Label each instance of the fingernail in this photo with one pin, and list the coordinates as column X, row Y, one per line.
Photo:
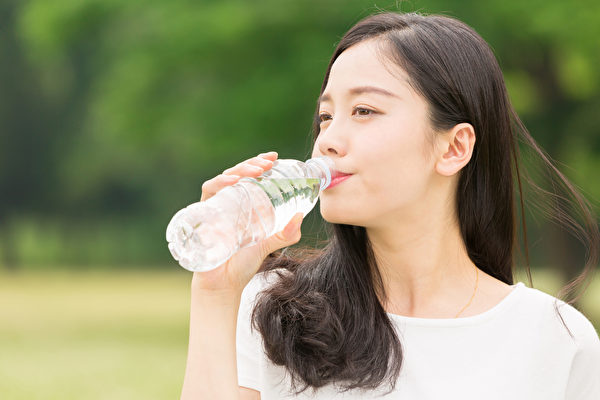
column 232, row 177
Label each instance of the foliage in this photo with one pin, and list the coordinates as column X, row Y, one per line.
column 113, row 113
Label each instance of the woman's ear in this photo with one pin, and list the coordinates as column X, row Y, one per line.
column 456, row 149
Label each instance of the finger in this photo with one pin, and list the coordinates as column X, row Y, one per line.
column 212, row 186
column 293, row 227
column 260, row 162
column 245, row 169
column 290, row 235
column 252, row 167
column 271, row 155
column 263, row 160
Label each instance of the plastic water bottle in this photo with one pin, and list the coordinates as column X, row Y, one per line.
column 204, row 235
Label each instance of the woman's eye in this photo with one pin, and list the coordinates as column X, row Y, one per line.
column 324, row 117
column 360, row 111
column 363, row 111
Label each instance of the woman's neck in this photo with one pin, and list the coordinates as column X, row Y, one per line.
column 425, row 268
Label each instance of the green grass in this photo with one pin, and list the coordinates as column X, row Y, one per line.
column 93, row 335
column 114, row 335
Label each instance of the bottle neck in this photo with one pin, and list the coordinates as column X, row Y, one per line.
column 321, row 168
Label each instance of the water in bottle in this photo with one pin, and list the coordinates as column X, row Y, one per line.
column 205, row 234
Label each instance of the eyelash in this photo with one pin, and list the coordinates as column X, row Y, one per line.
column 355, row 110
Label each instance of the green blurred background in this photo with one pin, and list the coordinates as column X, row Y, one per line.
column 113, row 113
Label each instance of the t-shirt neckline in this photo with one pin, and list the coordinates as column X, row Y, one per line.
column 471, row 320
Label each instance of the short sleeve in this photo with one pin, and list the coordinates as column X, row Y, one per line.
column 249, row 348
column 584, row 376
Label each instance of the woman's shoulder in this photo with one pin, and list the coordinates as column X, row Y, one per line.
column 543, row 308
column 579, row 344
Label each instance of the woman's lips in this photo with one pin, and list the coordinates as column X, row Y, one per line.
column 337, row 180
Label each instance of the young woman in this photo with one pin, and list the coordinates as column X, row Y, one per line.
column 413, row 296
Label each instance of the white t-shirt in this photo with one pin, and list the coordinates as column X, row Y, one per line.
column 519, row 349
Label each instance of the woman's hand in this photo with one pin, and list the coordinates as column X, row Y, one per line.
column 234, row 274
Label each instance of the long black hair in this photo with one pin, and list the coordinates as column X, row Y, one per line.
column 323, row 319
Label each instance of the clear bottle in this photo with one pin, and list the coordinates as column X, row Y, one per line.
column 204, row 235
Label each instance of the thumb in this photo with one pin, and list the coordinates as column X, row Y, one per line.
column 292, row 231
column 288, row 236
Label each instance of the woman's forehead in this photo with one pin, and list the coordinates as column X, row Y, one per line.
column 364, row 65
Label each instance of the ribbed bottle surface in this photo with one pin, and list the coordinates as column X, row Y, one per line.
column 205, row 234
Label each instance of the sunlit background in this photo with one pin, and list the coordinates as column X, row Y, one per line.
column 113, row 113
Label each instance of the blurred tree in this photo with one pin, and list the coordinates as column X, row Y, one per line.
column 25, row 142
column 125, row 108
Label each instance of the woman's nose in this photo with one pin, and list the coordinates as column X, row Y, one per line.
column 332, row 141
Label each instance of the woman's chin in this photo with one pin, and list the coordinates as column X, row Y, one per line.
column 336, row 217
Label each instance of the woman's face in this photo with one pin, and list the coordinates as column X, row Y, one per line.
column 374, row 126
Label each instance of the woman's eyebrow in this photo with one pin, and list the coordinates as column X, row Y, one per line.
column 360, row 90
